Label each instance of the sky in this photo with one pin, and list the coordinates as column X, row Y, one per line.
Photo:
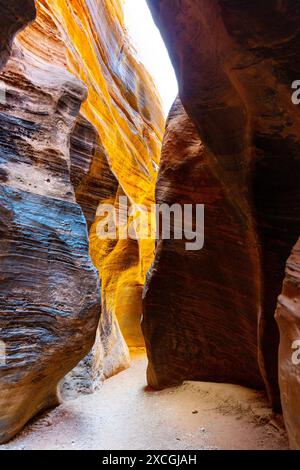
column 151, row 49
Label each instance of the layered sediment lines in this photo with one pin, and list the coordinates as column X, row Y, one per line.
column 288, row 319
column 50, row 302
column 60, row 160
column 196, row 322
column 235, row 63
column 124, row 109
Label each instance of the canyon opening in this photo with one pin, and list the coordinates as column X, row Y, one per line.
column 149, row 223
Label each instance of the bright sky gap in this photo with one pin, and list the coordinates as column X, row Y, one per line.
column 151, row 49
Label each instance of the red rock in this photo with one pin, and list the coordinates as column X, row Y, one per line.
column 201, row 307
column 81, row 123
column 235, row 63
column 288, row 318
column 15, row 15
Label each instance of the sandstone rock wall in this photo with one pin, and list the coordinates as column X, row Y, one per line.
column 288, row 318
column 60, row 160
column 235, row 63
column 197, row 324
column 49, row 290
column 15, row 15
column 124, row 109
column 81, row 125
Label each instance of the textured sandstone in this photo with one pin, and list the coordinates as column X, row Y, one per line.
column 49, row 286
column 288, row 318
column 56, row 166
column 124, row 109
column 193, row 330
column 91, row 175
column 15, row 15
column 232, row 143
column 235, row 62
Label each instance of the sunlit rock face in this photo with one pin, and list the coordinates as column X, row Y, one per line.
column 50, row 299
column 288, row 318
column 124, row 109
column 61, row 159
column 235, row 63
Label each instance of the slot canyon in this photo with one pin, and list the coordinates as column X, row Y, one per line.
column 138, row 342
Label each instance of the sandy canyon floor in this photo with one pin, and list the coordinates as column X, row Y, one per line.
column 124, row 415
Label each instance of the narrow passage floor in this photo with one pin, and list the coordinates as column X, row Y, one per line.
column 123, row 415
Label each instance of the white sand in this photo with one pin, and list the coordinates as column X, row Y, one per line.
column 122, row 415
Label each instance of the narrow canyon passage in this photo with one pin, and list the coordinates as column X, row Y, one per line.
column 149, row 224
column 123, row 415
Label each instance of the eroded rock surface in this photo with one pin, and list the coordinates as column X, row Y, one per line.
column 49, row 290
column 235, row 63
column 288, row 318
column 59, row 161
column 124, row 109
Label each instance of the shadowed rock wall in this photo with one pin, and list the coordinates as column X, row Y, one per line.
column 15, row 15
column 125, row 111
column 235, row 63
column 288, row 318
column 197, row 324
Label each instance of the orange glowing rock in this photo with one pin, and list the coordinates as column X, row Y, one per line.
column 125, row 109
column 56, row 157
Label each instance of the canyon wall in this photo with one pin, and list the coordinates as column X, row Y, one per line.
column 234, row 145
column 15, row 15
column 193, row 299
column 81, row 124
column 125, row 111
column 50, row 301
column 288, row 318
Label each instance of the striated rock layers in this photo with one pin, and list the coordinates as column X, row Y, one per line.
column 288, row 318
column 197, row 324
column 56, row 156
column 125, row 112
column 49, row 293
column 237, row 151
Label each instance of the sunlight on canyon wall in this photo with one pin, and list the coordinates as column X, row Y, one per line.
column 81, row 124
column 124, row 107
